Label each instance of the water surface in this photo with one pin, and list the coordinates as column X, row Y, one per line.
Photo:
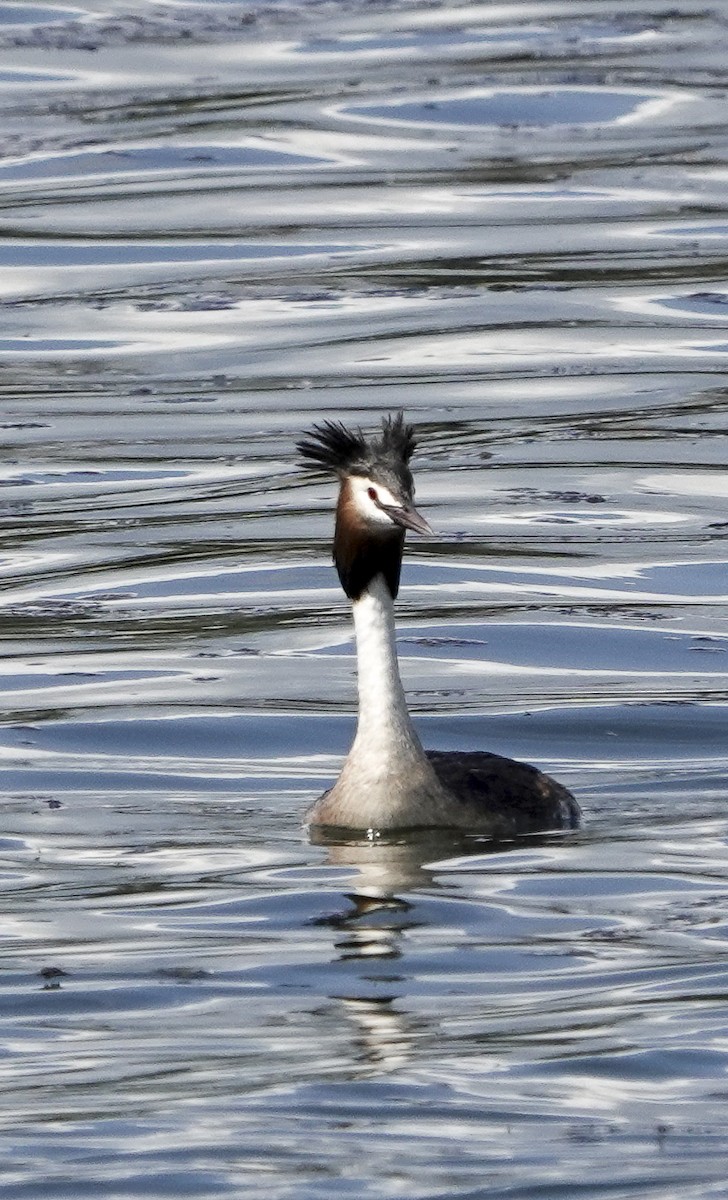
column 222, row 222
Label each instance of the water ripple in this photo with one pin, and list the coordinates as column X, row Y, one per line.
column 222, row 223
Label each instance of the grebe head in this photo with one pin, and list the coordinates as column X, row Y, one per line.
column 376, row 496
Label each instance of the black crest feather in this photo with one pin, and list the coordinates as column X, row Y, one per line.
column 398, row 439
column 335, row 448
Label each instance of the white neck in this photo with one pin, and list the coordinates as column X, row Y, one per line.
column 384, row 730
column 386, row 781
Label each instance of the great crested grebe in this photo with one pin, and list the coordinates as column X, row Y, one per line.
column 388, row 781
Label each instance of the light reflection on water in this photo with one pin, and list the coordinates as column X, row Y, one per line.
column 521, row 108
column 222, row 222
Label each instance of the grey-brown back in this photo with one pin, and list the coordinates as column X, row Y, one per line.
column 518, row 797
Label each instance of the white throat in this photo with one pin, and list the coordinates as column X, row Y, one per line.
column 386, row 781
column 384, row 731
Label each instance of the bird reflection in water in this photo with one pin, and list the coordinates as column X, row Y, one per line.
column 381, row 910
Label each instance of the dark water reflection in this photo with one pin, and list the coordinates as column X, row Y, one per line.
column 223, row 221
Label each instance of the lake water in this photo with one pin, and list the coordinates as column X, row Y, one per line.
column 221, row 223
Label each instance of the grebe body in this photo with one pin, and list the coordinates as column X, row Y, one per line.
column 388, row 781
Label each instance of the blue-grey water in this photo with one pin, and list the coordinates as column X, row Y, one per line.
column 221, row 222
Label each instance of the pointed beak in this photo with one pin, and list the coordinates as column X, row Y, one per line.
column 408, row 518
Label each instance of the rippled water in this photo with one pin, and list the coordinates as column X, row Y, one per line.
column 221, row 222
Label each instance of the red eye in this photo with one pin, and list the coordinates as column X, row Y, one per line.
column 371, row 493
